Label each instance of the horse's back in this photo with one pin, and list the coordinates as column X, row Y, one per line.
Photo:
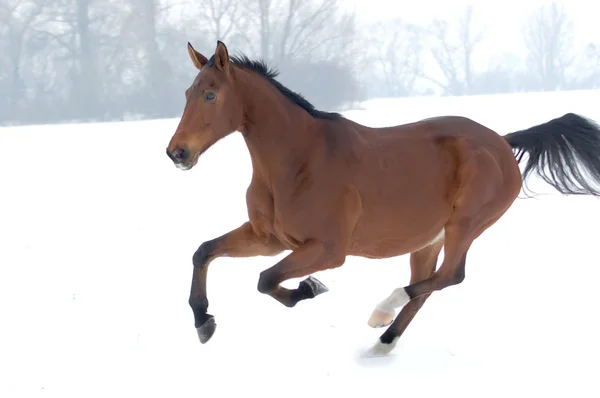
column 475, row 148
column 460, row 137
column 443, row 126
column 412, row 174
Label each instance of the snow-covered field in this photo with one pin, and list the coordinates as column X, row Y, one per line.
column 97, row 232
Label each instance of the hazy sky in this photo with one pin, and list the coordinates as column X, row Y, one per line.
column 503, row 19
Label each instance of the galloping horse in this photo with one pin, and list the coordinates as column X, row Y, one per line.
column 325, row 187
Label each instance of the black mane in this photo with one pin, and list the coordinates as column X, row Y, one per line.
column 261, row 67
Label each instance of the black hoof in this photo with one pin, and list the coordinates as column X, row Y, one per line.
column 207, row 329
column 312, row 287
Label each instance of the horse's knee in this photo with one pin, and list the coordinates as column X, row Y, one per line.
column 266, row 282
column 201, row 256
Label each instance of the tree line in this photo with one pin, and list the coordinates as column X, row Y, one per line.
column 99, row 60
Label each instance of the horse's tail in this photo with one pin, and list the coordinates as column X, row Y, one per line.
column 565, row 152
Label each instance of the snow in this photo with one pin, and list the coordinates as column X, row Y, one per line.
column 98, row 229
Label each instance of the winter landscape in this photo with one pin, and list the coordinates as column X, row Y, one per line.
column 98, row 230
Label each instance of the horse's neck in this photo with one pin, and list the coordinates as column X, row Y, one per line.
column 276, row 131
column 275, row 152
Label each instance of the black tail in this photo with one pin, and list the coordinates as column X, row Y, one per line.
column 565, row 152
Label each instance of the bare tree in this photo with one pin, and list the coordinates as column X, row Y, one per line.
column 17, row 21
column 453, row 51
column 143, row 29
column 293, row 29
column 221, row 17
column 264, row 16
column 585, row 71
column 549, row 39
column 397, row 48
column 593, row 52
column 79, row 36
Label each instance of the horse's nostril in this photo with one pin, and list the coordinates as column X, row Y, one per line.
column 180, row 153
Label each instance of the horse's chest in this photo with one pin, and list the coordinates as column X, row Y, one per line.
column 288, row 217
column 269, row 218
column 287, row 228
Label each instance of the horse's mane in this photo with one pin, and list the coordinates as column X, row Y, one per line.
column 261, row 67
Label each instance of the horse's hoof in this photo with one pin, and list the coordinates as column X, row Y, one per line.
column 313, row 287
column 380, row 349
column 207, row 329
column 380, row 319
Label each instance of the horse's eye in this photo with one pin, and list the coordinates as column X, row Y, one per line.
column 209, row 96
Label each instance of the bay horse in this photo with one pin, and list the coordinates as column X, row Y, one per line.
column 325, row 187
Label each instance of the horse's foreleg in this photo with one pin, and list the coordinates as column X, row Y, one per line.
column 241, row 242
column 325, row 251
column 311, row 257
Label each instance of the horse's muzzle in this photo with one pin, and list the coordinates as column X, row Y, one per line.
column 181, row 158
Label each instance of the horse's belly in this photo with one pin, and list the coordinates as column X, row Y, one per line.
column 390, row 246
column 405, row 225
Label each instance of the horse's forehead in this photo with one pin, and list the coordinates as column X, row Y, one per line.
column 201, row 75
column 206, row 74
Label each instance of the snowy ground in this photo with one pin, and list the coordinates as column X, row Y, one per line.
column 98, row 230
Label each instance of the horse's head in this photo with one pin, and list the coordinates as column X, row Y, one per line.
column 212, row 111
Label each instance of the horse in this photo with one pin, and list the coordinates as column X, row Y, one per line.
column 324, row 187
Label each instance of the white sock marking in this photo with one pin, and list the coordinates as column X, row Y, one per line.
column 398, row 299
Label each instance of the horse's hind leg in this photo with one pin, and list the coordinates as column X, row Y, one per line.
column 487, row 189
column 461, row 231
column 422, row 266
column 451, row 272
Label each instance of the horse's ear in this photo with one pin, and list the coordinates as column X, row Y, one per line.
column 198, row 59
column 221, row 56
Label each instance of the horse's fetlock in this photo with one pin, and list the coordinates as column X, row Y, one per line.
column 198, row 303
